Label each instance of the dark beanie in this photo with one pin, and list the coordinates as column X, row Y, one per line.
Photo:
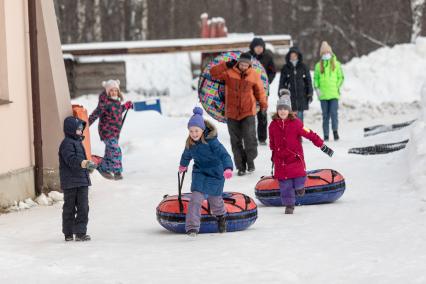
column 245, row 57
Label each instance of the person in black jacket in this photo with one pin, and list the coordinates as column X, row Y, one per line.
column 296, row 77
column 258, row 50
column 75, row 181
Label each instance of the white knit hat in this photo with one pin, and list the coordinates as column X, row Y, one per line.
column 325, row 48
column 284, row 101
column 111, row 84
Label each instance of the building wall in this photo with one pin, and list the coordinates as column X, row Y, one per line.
column 16, row 166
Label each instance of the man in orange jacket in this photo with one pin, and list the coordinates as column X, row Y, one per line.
column 243, row 88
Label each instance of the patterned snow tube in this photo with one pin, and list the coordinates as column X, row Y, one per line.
column 212, row 92
column 321, row 186
column 241, row 213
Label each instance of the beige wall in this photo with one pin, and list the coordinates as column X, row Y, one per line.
column 15, row 118
column 16, row 155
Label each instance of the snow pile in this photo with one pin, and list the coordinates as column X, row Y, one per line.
column 417, row 150
column 389, row 74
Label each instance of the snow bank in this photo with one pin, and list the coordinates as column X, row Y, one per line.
column 389, row 74
column 417, row 150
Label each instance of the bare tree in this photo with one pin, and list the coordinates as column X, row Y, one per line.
column 417, row 8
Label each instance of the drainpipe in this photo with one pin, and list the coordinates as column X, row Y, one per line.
column 35, row 90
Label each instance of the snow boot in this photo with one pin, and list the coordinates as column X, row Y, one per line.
column 250, row 167
column 221, row 223
column 300, row 192
column 192, row 233
column 118, row 176
column 106, row 175
column 326, row 138
column 69, row 238
column 289, row 209
column 336, row 135
column 241, row 173
column 82, row 238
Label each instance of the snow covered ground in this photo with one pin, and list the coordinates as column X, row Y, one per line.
column 374, row 234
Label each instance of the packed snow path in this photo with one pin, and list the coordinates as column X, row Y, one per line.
column 375, row 233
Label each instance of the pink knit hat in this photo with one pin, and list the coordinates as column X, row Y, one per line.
column 111, row 84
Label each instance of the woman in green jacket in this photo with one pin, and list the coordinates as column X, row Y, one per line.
column 328, row 78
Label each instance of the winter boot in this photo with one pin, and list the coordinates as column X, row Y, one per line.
column 69, row 238
column 326, row 138
column 289, row 209
column 241, row 173
column 118, row 176
column 300, row 192
column 250, row 167
column 82, row 238
column 336, row 135
column 192, row 233
column 106, row 175
column 221, row 223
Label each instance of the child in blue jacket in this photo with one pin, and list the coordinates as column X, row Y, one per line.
column 212, row 165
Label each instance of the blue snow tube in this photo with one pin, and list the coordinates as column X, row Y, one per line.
column 241, row 213
column 321, row 186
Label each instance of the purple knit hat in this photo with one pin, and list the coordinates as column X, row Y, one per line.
column 197, row 119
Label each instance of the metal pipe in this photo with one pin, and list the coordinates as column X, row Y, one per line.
column 35, row 91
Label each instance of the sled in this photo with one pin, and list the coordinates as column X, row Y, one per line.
column 321, row 186
column 377, row 129
column 212, row 92
column 241, row 212
column 379, row 148
column 154, row 105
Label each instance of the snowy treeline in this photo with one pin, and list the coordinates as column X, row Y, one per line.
column 354, row 27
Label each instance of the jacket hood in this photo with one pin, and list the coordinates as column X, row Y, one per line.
column 295, row 50
column 211, row 131
column 70, row 127
column 256, row 42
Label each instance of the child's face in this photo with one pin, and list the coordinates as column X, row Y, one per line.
column 283, row 113
column 195, row 133
column 113, row 93
column 79, row 130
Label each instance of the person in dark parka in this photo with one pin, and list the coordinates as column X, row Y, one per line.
column 258, row 50
column 296, row 77
column 75, row 181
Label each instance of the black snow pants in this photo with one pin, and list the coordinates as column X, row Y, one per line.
column 243, row 141
column 75, row 211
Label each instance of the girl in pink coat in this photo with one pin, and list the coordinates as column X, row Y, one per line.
column 285, row 132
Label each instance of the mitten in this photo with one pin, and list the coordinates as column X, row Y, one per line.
column 327, row 150
column 91, row 166
column 231, row 63
column 87, row 164
column 128, row 105
column 227, row 174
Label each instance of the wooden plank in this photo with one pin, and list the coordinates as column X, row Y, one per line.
column 170, row 46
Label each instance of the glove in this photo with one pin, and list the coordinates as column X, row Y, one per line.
column 182, row 169
column 327, row 150
column 231, row 63
column 227, row 174
column 310, row 98
column 128, row 105
column 87, row 164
